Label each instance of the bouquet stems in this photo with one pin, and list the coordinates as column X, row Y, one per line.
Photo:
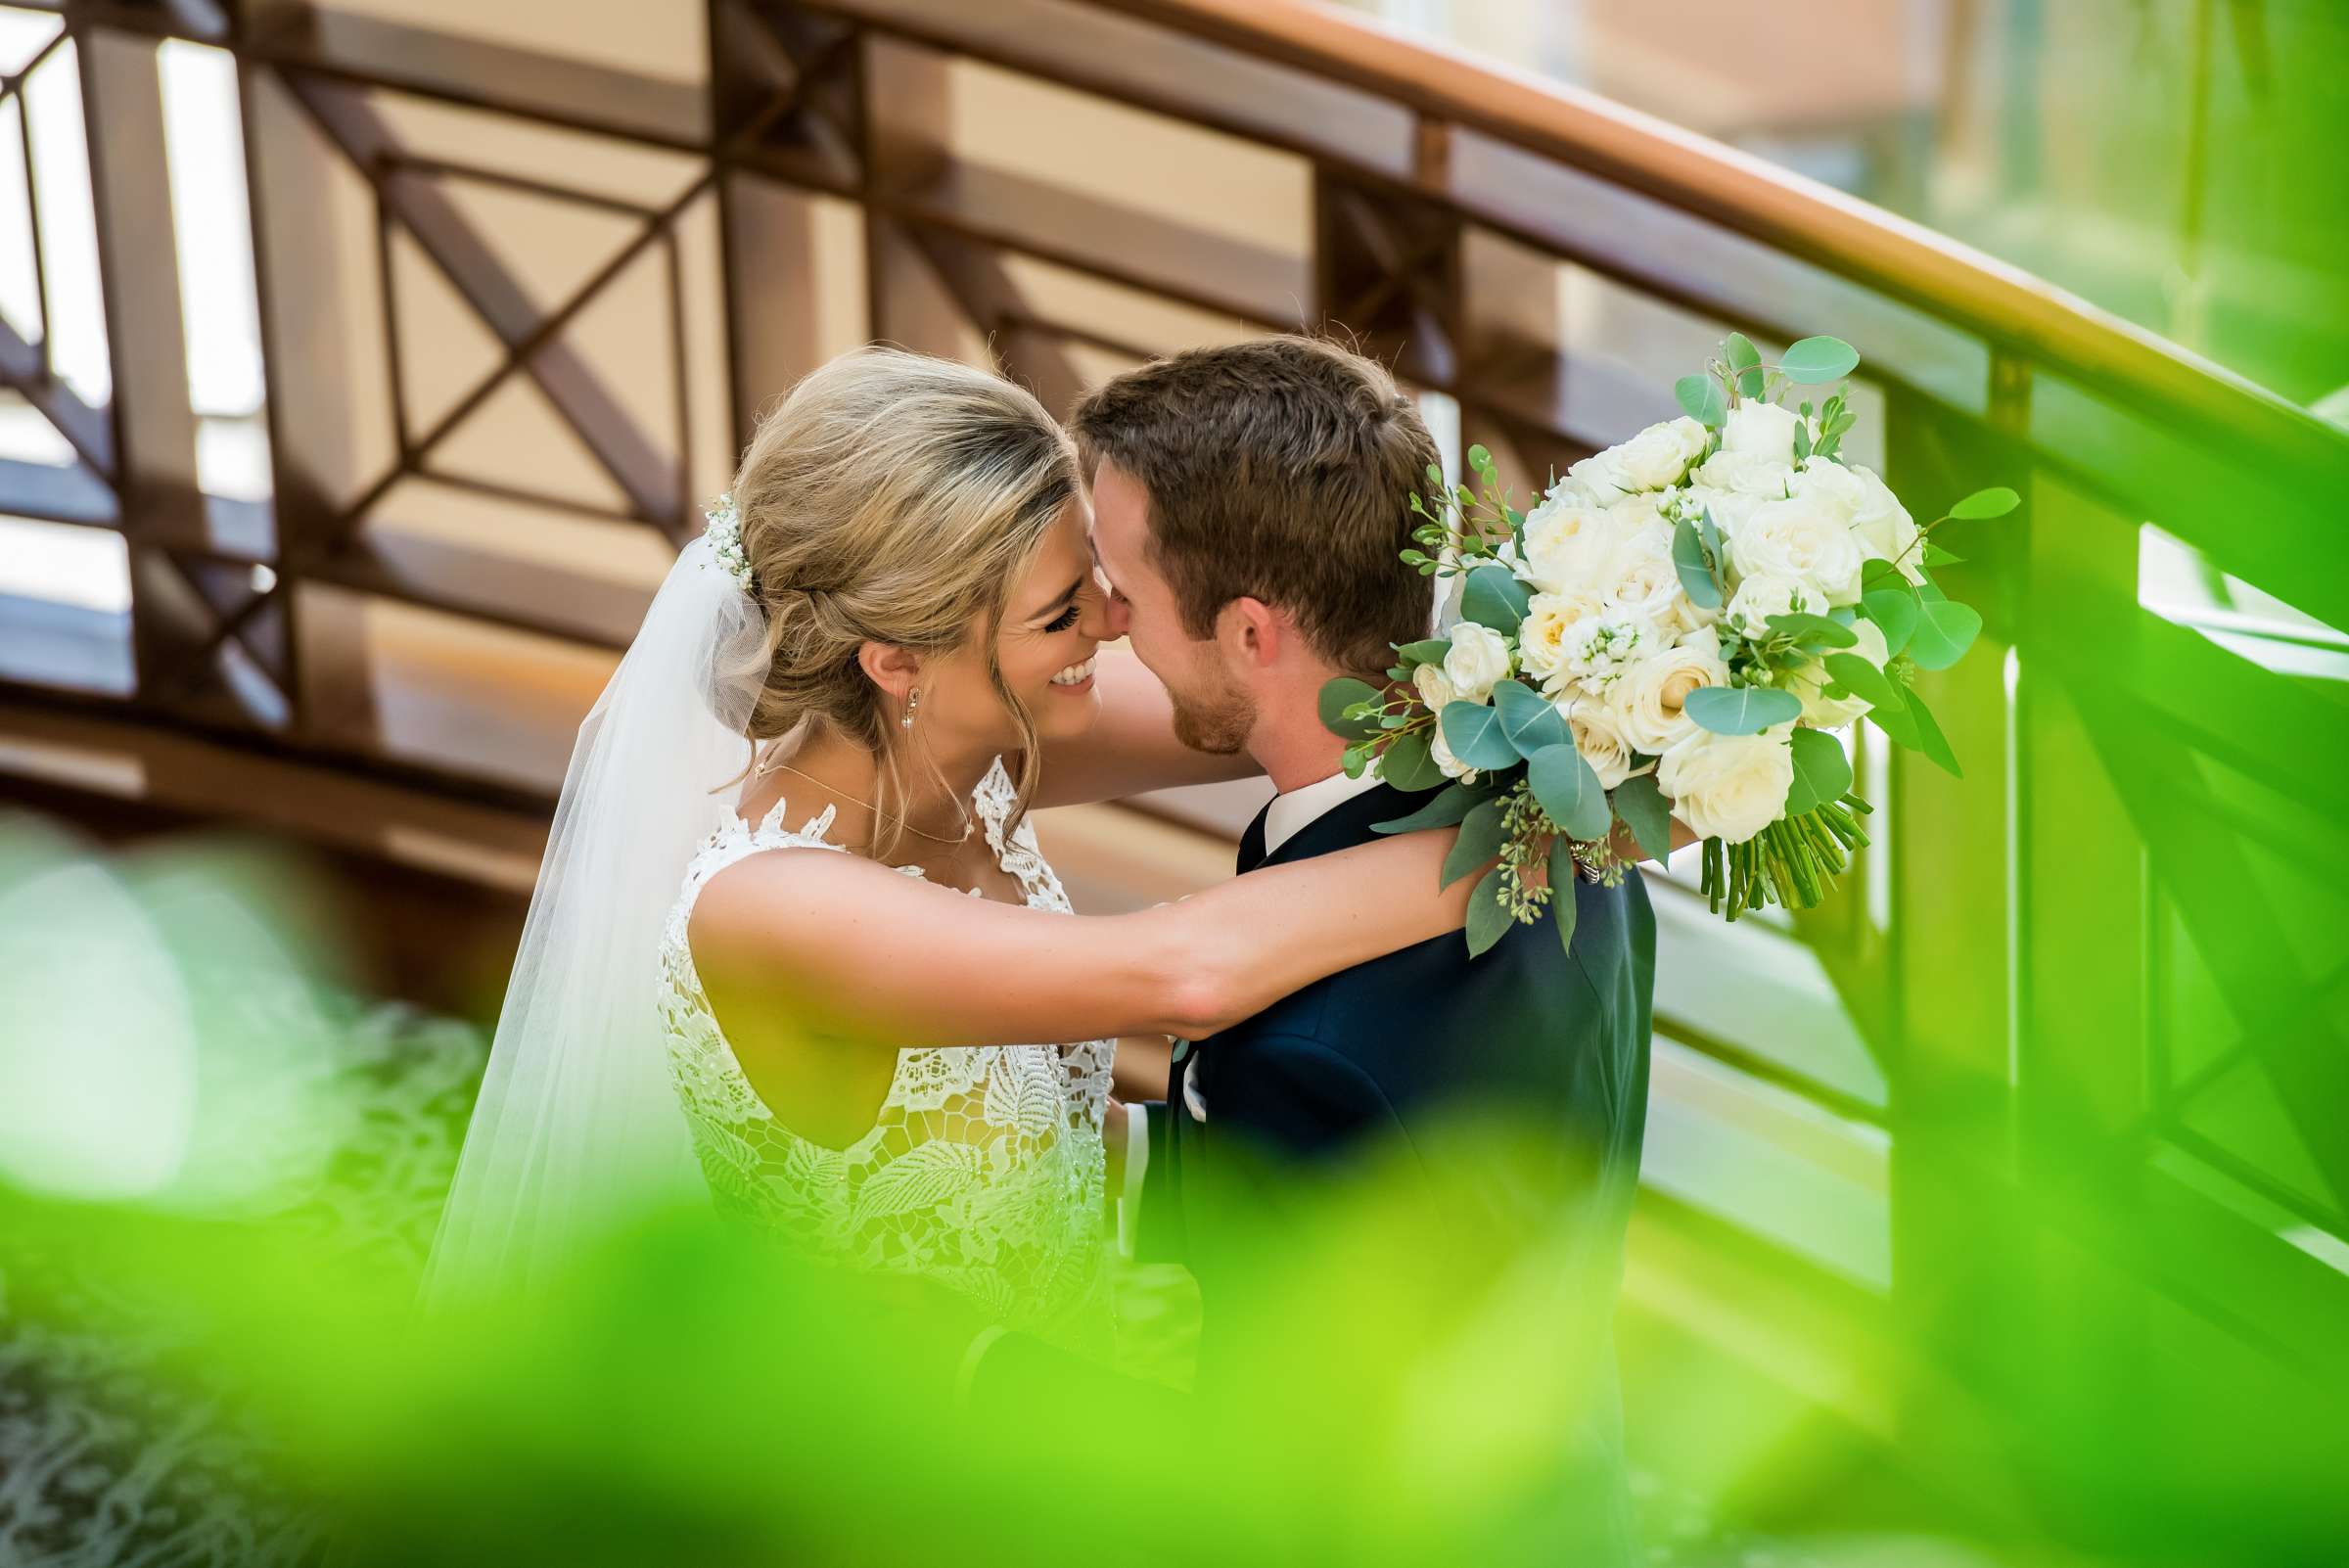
column 1793, row 862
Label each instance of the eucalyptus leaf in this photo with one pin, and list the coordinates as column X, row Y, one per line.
column 1741, row 709
column 1565, row 886
column 1646, row 812
column 1569, row 792
column 1427, row 651
column 1494, row 598
column 1863, row 680
column 1528, row 718
column 1898, row 724
column 1473, row 732
column 1813, row 361
column 1338, row 696
column 1996, row 501
column 1408, row 765
column 1929, row 738
column 1744, row 361
column 1479, row 457
column 1489, row 919
column 1445, row 807
column 1821, row 770
column 1696, row 571
column 1708, row 533
column 1700, row 396
column 1944, row 629
column 1894, row 611
column 1481, row 837
column 1877, row 572
column 1810, row 627
column 1935, row 556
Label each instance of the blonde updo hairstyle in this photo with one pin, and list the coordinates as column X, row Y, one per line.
column 892, row 498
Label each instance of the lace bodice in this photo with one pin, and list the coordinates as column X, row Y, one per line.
column 983, row 1170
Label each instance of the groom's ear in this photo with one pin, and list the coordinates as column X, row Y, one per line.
column 890, row 667
column 1253, row 634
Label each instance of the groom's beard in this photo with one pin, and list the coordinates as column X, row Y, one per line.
column 1216, row 719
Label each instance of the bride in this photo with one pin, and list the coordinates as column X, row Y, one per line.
column 793, row 925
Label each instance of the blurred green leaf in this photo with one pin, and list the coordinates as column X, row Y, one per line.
column 1996, row 502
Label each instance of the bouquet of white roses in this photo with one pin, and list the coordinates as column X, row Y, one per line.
column 1675, row 628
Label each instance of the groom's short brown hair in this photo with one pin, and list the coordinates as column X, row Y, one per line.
column 1279, row 469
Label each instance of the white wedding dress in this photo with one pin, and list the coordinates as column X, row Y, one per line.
column 983, row 1170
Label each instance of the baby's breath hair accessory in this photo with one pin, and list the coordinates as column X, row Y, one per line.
column 724, row 534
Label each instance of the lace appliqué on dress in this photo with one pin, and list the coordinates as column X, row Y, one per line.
column 985, row 1166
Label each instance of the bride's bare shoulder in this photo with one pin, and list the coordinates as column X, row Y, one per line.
column 789, row 893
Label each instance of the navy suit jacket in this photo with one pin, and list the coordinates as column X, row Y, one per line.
column 1506, row 1094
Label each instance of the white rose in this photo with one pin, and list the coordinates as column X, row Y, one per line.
column 1565, row 540
column 1658, row 455
column 1745, row 474
column 1764, row 594
column 1603, row 476
column 1762, row 429
column 1540, row 641
column 1479, row 657
column 1810, row 683
column 1633, row 513
column 1885, row 529
column 1646, row 702
column 1801, row 539
column 1830, row 486
column 1732, row 508
column 1435, row 687
column 1600, row 740
column 1641, row 579
column 1729, row 787
column 1451, row 767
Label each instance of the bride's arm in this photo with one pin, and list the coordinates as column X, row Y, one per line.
column 847, row 948
column 1132, row 747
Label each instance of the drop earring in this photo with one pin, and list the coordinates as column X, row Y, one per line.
column 913, row 700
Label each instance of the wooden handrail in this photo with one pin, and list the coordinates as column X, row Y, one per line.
column 1999, row 303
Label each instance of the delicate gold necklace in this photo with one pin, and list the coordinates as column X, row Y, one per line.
column 874, row 809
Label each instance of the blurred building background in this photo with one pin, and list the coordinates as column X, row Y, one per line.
column 361, row 369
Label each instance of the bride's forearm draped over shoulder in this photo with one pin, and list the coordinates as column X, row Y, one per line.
column 846, row 949
column 1131, row 748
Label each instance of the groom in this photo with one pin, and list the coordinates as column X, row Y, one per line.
column 1250, row 503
